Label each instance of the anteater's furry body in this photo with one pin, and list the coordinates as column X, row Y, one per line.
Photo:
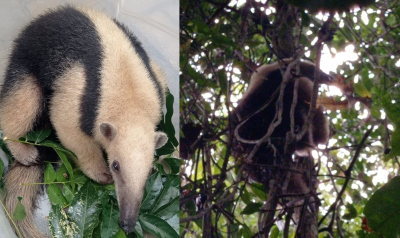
column 258, row 106
column 89, row 78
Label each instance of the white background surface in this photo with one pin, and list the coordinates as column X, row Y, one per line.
column 154, row 22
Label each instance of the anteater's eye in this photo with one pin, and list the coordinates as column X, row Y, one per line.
column 115, row 165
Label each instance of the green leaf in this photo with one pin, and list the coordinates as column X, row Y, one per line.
column 157, row 226
column 274, row 232
column 19, row 212
column 169, row 209
column 395, row 144
column 120, row 234
column 109, row 222
column 222, row 80
column 392, row 110
column 190, row 207
column 138, row 230
column 61, row 174
column 174, row 164
column 374, row 235
column 305, row 19
column 245, row 196
column 175, row 181
column 105, row 199
column 174, row 222
column 152, row 190
column 84, row 211
column 65, row 161
column 79, row 177
column 1, row 168
column 110, row 187
column 160, row 168
column 57, row 147
column 49, row 173
column 58, row 222
column 259, row 191
column 55, row 195
column 251, row 208
column 167, row 193
column 233, row 230
column 4, row 148
column 352, row 212
column 167, row 149
column 96, row 232
column 166, row 123
column 68, row 193
column 383, row 209
column 38, row 136
column 245, row 231
column 170, row 130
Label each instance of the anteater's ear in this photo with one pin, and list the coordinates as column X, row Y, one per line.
column 161, row 139
column 108, row 130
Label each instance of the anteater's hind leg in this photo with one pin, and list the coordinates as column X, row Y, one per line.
column 20, row 107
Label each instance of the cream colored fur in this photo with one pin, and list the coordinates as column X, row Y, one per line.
column 126, row 80
column 263, row 71
column 258, row 77
column 64, row 115
column 24, row 103
column 20, row 174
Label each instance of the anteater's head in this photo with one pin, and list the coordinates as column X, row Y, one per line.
column 130, row 155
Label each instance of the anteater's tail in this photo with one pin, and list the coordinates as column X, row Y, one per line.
column 17, row 175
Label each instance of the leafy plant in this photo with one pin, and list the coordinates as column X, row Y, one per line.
column 222, row 45
column 383, row 209
column 83, row 208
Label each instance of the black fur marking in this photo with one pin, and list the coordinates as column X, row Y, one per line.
column 48, row 46
column 257, row 127
column 145, row 58
column 257, row 124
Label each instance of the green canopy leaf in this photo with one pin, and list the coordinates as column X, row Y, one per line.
column 383, row 209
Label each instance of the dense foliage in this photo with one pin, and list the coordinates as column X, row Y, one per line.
column 222, row 42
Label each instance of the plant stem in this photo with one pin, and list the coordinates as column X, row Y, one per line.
column 11, row 219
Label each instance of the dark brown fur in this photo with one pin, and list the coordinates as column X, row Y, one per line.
column 263, row 88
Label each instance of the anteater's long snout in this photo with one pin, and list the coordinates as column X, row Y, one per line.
column 129, row 211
